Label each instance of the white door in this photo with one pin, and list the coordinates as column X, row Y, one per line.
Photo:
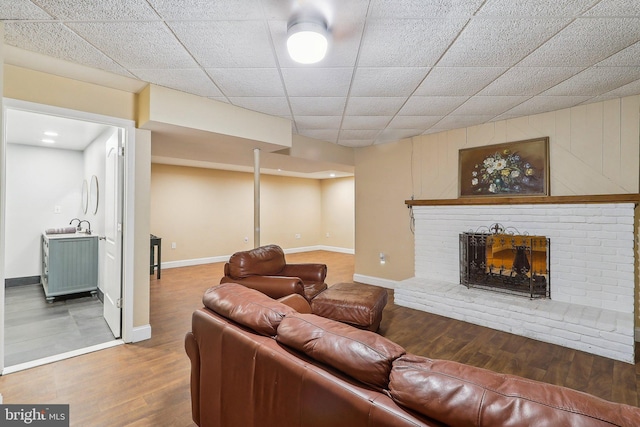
column 113, row 233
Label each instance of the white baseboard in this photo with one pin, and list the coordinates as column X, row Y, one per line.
column 141, row 333
column 377, row 281
column 196, row 261
column 225, row 258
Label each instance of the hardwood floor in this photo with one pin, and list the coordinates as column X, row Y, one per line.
column 147, row 384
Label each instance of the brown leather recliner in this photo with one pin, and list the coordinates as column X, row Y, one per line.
column 265, row 269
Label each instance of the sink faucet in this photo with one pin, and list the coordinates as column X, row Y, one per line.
column 88, row 225
column 75, row 219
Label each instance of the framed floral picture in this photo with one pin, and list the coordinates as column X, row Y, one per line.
column 519, row 168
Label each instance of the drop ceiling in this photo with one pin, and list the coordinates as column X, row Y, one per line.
column 395, row 69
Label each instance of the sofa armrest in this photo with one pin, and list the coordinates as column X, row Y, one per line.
column 306, row 272
column 273, row 286
column 191, row 347
column 297, row 302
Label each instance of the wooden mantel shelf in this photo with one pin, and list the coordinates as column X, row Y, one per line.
column 603, row 198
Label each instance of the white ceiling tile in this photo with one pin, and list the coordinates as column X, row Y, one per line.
column 629, row 57
column 528, row 80
column 595, row 81
column 330, row 135
column 317, row 106
column 389, row 135
column 423, row 9
column 192, row 80
column 414, row 122
column 74, row 10
column 541, row 104
column 57, row 40
column 207, row 9
column 351, row 134
column 336, row 13
column 586, row 41
column 431, row 105
column 363, row 106
column 499, row 42
column 276, row 106
column 407, row 42
column 632, row 88
column 457, row 122
column 386, row 81
column 248, row 81
column 21, row 9
column 535, row 8
column 615, row 8
column 488, row 105
column 365, row 122
column 317, row 81
column 452, row 81
column 222, row 44
column 141, row 45
column 318, row 122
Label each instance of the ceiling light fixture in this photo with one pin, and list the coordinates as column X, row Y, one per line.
column 48, row 140
column 307, row 40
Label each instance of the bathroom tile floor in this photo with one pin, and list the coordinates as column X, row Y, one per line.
column 35, row 329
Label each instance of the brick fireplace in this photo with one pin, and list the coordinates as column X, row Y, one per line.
column 592, row 263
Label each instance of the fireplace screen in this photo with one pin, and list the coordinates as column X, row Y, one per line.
column 504, row 262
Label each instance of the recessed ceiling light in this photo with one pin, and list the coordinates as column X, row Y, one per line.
column 51, row 133
column 332, row 175
column 48, row 140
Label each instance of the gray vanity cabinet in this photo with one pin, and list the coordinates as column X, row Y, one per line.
column 69, row 264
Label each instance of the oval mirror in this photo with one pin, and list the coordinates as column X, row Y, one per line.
column 85, row 196
column 94, row 194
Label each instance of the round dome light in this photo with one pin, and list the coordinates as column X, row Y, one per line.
column 307, row 42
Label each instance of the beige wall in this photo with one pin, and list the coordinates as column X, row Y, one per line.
column 209, row 212
column 383, row 183
column 594, row 149
column 43, row 88
column 338, row 213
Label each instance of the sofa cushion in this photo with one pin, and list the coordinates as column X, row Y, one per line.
column 247, row 307
column 263, row 261
column 463, row 395
column 363, row 355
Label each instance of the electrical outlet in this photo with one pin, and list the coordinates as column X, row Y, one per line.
column 57, row 209
column 297, row 236
column 173, row 245
column 328, row 235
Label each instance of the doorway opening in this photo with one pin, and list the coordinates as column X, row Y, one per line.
column 61, row 194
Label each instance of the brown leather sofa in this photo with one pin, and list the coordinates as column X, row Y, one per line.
column 258, row 362
column 266, row 270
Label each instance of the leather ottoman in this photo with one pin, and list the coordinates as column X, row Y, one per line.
column 353, row 303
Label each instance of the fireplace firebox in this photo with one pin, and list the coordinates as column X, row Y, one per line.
column 504, row 260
